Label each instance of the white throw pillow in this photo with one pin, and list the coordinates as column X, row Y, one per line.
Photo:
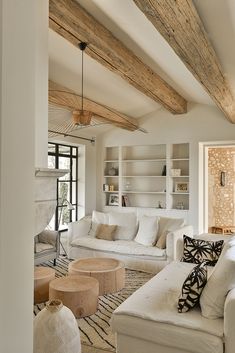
column 148, row 228
column 221, row 281
column 126, row 225
column 79, row 228
column 167, row 225
column 96, row 219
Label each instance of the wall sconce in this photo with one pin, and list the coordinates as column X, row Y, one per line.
column 222, row 178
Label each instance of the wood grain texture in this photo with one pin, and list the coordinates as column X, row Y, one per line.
column 179, row 23
column 78, row 293
column 109, row 272
column 42, row 277
column 72, row 22
column 63, row 97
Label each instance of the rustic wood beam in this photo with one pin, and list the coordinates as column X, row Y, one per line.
column 66, row 98
column 75, row 24
column 179, row 23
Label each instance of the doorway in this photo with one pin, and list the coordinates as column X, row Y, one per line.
column 218, row 185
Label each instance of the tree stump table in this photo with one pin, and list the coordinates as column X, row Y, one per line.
column 42, row 278
column 78, row 293
column 109, row 272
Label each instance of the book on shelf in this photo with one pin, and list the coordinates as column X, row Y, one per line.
column 125, row 201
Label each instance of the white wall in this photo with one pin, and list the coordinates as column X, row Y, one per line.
column 41, row 75
column 201, row 123
column 18, row 41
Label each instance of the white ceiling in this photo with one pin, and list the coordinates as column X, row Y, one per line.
column 127, row 22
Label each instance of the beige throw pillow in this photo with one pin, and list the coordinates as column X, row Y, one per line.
column 165, row 226
column 105, row 231
column 161, row 243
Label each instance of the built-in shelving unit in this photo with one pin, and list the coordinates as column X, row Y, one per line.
column 154, row 176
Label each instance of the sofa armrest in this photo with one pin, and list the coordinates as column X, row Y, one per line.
column 229, row 321
column 79, row 228
column 173, row 249
column 48, row 237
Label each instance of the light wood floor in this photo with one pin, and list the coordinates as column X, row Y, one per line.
column 87, row 349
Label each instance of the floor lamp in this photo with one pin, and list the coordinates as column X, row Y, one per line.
column 70, row 207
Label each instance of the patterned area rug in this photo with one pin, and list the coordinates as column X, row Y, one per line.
column 95, row 330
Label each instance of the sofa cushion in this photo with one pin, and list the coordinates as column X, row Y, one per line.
column 221, row 281
column 97, row 218
column 167, row 225
column 105, row 231
column 40, row 247
column 120, row 246
column 147, row 232
column 197, row 250
column 192, row 288
column 126, row 225
column 156, row 303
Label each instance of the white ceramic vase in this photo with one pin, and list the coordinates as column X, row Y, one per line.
column 56, row 330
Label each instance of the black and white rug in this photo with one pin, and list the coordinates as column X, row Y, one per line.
column 95, row 330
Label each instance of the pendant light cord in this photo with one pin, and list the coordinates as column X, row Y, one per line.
column 82, row 80
column 82, row 46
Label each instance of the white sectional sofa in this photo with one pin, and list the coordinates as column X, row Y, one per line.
column 148, row 321
column 134, row 241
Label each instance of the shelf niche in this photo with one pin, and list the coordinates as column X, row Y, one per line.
column 145, row 175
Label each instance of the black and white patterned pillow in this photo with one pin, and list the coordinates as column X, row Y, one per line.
column 197, row 250
column 192, row 288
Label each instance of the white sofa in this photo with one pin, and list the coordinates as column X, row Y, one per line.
column 148, row 321
column 83, row 243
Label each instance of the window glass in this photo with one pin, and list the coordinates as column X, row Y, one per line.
column 64, row 163
column 64, row 149
column 64, row 157
column 74, row 170
column 51, row 148
column 74, row 192
column 51, row 162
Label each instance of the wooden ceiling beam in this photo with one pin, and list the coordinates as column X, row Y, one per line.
column 66, row 98
column 71, row 21
column 180, row 25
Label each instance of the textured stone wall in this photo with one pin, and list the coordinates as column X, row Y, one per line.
column 221, row 198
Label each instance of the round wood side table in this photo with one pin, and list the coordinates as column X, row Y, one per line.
column 108, row 271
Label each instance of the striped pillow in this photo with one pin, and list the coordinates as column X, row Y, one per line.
column 192, row 288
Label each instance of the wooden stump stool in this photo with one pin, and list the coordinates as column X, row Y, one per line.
column 42, row 278
column 78, row 293
column 109, row 272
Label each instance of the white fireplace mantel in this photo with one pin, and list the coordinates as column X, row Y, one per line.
column 45, row 195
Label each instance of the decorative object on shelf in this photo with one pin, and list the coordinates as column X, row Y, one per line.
column 125, row 201
column 56, row 330
column 175, row 172
column 180, row 206
column 164, row 171
column 113, row 171
column 111, row 187
column 161, row 204
column 105, row 187
column 222, row 178
column 182, row 187
column 113, row 200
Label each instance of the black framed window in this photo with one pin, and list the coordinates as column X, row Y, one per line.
column 64, row 157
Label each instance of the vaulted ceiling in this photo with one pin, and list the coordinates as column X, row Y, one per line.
column 143, row 55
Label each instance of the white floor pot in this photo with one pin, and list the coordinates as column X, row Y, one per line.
column 56, row 330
